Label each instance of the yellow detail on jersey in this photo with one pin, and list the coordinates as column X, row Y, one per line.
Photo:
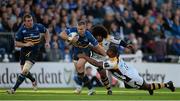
column 32, row 39
column 108, row 37
column 101, row 44
column 114, row 60
column 32, row 42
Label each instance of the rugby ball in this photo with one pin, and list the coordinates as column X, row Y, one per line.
column 72, row 35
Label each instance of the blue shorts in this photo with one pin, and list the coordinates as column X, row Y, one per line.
column 77, row 51
column 28, row 55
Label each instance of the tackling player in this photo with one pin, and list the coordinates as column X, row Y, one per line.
column 105, row 40
column 127, row 74
column 28, row 38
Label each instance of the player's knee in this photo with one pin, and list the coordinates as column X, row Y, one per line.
column 27, row 66
column 80, row 67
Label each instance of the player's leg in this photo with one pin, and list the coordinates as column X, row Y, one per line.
column 138, row 82
column 89, row 85
column 80, row 66
column 155, row 86
column 27, row 66
column 78, row 84
column 105, row 80
column 29, row 76
column 32, row 57
column 80, row 76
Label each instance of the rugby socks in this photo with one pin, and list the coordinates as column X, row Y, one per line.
column 87, row 82
column 19, row 81
column 104, row 79
column 155, row 86
column 29, row 76
column 106, row 83
column 80, row 77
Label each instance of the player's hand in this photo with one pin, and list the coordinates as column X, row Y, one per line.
column 130, row 46
column 28, row 44
column 47, row 45
column 74, row 39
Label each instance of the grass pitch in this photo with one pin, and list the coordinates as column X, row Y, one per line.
column 67, row 94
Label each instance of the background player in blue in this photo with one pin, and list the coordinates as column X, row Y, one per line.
column 28, row 38
column 81, row 45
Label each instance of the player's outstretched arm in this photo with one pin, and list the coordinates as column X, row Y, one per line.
column 100, row 50
column 121, row 43
column 91, row 61
column 94, row 49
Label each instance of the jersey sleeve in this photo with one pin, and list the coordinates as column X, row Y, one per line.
column 107, row 64
column 118, row 42
column 42, row 28
column 19, row 35
column 91, row 38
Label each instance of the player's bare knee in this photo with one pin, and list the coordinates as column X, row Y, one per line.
column 25, row 71
column 80, row 67
column 27, row 66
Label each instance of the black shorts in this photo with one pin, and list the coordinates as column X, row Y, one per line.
column 28, row 55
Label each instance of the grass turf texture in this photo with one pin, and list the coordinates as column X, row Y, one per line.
column 67, row 94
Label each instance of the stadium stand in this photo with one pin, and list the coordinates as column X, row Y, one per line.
column 152, row 26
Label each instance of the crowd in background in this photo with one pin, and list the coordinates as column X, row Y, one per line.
column 152, row 26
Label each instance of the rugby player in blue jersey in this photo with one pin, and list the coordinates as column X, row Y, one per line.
column 28, row 38
column 81, row 44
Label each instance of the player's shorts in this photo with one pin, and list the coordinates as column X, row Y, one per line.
column 136, row 81
column 28, row 55
column 77, row 51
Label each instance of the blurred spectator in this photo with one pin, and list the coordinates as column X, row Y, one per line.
column 67, row 55
column 176, row 4
column 55, row 52
column 176, row 46
column 98, row 12
column 160, row 50
column 128, row 29
column 140, row 6
column 138, row 26
column 175, row 27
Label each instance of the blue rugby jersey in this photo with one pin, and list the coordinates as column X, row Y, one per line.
column 83, row 41
column 30, row 35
